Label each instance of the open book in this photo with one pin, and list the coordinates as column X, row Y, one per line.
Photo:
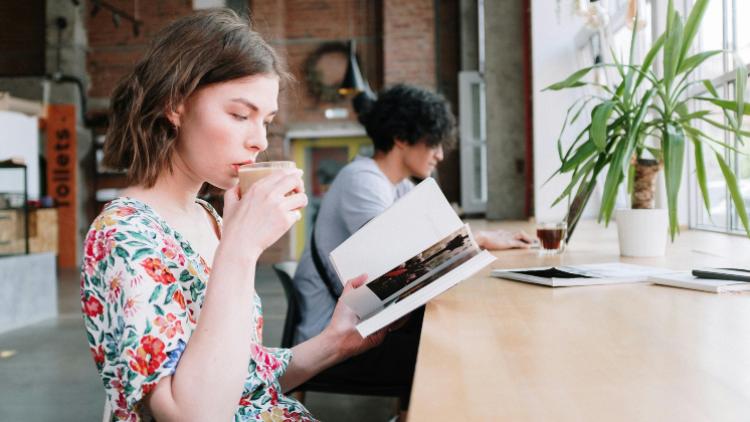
column 581, row 275
column 412, row 252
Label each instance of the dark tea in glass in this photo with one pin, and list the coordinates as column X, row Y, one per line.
column 551, row 237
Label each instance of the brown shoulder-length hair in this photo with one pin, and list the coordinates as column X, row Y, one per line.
column 207, row 47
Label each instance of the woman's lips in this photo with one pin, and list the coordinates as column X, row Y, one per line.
column 236, row 166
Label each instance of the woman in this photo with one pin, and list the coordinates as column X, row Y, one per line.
column 172, row 317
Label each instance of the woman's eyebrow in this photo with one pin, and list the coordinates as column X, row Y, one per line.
column 251, row 105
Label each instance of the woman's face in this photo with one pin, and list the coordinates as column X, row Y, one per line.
column 421, row 159
column 223, row 126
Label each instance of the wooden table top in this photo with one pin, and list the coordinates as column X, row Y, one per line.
column 499, row 350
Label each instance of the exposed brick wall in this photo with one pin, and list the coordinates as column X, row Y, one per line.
column 269, row 18
column 409, row 42
column 113, row 51
column 297, row 27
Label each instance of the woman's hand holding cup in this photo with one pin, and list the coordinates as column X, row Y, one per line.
column 260, row 209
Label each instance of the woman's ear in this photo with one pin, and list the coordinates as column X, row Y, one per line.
column 175, row 115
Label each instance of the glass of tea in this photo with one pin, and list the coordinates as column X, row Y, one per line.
column 551, row 236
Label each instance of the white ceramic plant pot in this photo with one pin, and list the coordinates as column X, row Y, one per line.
column 642, row 233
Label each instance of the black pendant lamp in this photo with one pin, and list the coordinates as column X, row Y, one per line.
column 353, row 82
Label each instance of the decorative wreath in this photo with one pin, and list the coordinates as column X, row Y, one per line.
column 316, row 87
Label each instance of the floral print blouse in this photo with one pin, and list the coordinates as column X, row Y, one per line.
column 142, row 289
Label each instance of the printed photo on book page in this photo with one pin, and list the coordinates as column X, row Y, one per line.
column 413, row 274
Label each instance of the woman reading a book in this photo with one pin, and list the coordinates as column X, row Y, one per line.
column 409, row 127
column 168, row 292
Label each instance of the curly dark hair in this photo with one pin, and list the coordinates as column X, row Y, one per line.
column 411, row 114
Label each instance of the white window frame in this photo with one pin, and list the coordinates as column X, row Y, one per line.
column 470, row 140
column 724, row 85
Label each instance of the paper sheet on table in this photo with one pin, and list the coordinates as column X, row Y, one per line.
column 581, row 275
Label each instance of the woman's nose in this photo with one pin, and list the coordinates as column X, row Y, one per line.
column 257, row 139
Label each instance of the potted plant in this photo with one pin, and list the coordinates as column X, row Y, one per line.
column 642, row 124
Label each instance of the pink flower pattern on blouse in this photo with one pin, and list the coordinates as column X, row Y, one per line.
column 142, row 288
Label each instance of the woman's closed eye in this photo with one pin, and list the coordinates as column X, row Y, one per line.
column 242, row 117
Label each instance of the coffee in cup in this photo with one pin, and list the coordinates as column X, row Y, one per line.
column 251, row 173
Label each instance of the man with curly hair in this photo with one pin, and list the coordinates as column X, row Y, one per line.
column 409, row 127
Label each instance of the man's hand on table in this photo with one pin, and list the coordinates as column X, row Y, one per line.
column 495, row 240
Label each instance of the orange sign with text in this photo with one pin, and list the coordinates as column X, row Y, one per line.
column 62, row 165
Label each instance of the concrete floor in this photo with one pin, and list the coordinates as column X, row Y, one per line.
column 50, row 375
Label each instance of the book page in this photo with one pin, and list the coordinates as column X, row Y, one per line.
column 413, row 274
column 415, row 222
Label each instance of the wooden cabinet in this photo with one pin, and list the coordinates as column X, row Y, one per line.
column 42, row 231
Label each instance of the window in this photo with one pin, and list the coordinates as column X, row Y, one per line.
column 472, row 127
column 735, row 35
column 605, row 46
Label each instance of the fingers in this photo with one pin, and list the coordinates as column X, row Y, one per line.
column 523, row 236
column 283, row 182
column 278, row 183
column 291, row 205
column 355, row 282
column 296, row 215
column 519, row 244
column 377, row 337
column 399, row 323
column 295, row 201
column 291, row 182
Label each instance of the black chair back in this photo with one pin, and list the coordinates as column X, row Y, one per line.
column 285, row 272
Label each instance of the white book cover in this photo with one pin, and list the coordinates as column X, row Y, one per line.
column 686, row 280
column 412, row 252
column 581, row 275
